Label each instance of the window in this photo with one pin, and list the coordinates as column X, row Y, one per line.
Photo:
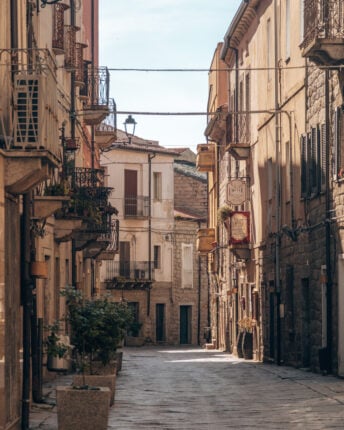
column 157, row 257
column 338, row 166
column 269, row 48
column 287, row 30
column 287, row 172
column 187, row 266
column 157, row 186
column 313, row 161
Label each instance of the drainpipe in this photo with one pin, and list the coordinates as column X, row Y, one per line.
column 236, row 139
column 328, row 227
column 72, row 117
column 92, row 59
column 277, row 191
column 199, row 296
column 150, row 157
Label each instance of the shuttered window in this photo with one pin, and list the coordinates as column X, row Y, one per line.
column 338, row 165
column 304, row 169
column 323, row 160
column 187, row 266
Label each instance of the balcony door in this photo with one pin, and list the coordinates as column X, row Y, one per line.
column 124, row 259
column 130, row 192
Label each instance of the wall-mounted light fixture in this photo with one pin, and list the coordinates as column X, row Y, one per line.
column 129, row 127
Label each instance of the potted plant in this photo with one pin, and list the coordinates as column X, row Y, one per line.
column 223, row 213
column 246, row 329
column 57, row 346
column 132, row 338
column 97, row 326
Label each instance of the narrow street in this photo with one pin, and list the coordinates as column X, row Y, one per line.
column 191, row 388
column 174, row 388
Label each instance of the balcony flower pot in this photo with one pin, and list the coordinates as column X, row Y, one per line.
column 39, row 269
column 85, row 408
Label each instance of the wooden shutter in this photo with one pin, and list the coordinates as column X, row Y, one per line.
column 314, row 150
column 323, row 159
column 187, row 266
column 130, row 192
column 304, row 180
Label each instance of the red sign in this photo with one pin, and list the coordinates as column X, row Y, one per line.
column 239, row 231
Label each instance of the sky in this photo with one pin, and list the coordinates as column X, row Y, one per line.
column 162, row 34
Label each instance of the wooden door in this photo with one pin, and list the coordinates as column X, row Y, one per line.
column 130, row 192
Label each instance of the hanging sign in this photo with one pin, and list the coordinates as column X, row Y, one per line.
column 236, row 192
column 239, row 227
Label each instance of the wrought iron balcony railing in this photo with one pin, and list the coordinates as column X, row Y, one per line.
column 58, row 28
column 112, row 236
column 81, row 177
column 136, row 207
column 95, row 91
column 323, row 20
column 131, row 270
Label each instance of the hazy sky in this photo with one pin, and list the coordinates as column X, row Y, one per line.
column 162, row 34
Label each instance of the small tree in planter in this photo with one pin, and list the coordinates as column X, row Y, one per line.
column 57, row 346
column 97, row 327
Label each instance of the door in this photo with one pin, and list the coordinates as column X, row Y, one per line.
column 130, row 192
column 272, row 325
column 306, row 321
column 185, row 325
column 124, row 259
column 160, row 322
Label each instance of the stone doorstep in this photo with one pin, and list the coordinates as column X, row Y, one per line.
column 209, row 346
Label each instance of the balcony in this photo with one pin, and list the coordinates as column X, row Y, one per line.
column 205, row 160
column 136, row 207
column 238, row 136
column 128, row 275
column 106, row 132
column 28, row 118
column 113, row 246
column 323, row 41
column 216, row 128
column 58, row 28
column 95, row 94
column 205, row 240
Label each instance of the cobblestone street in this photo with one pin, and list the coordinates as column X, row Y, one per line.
column 191, row 388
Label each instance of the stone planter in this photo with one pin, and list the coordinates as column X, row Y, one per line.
column 82, row 409
column 108, row 381
column 134, row 341
column 119, row 359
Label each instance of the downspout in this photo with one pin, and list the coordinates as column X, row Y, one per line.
column 150, row 157
column 328, row 227
column 27, row 284
column 72, row 117
column 236, row 138
column 92, row 59
column 277, row 191
column 199, row 297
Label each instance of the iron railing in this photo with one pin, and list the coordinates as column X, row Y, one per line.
column 95, row 91
column 136, row 206
column 323, row 19
column 110, row 122
column 81, row 177
column 112, row 236
column 58, row 28
column 133, row 270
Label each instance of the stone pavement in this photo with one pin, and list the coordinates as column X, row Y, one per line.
column 189, row 388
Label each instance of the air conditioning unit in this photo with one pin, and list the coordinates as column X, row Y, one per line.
column 27, row 100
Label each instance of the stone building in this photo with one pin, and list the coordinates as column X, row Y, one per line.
column 277, row 266
column 50, row 111
column 161, row 203
column 191, row 291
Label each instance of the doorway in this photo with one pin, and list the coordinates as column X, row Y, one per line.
column 124, row 259
column 185, row 325
column 160, row 322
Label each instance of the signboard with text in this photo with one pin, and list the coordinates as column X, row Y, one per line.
column 236, row 192
column 239, row 228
